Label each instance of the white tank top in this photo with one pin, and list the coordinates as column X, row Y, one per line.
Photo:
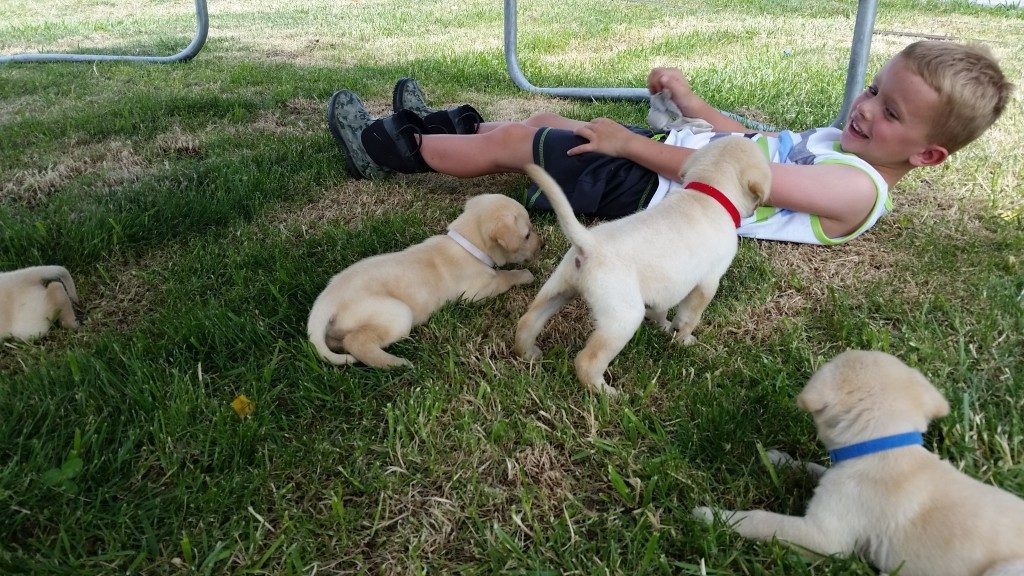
column 814, row 146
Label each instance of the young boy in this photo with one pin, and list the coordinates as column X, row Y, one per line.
column 828, row 185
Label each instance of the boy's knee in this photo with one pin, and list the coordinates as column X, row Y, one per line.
column 513, row 134
column 543, row 119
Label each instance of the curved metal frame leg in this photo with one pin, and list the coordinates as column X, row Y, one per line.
column 202, row 28
column 859, row 52
column 512, row 63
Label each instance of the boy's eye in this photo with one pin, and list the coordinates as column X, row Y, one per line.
column 873, row 90
column 890, row 114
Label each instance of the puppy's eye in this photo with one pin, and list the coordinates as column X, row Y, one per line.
column 528, row 233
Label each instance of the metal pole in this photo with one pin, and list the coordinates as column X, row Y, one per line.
column 202, row 28
column 512, row 63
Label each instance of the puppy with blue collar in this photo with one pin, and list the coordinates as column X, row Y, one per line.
column 886, row 497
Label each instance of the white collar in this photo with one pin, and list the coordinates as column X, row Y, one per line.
column 471, row 248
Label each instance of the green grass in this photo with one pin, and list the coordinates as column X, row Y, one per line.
column 202, row 207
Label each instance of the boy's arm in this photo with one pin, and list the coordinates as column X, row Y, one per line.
column 673, row 80
column 841, row 196
column 610, row 138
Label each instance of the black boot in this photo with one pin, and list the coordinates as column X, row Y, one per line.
column 407, row 95
column 394, row 142
column 461, row 120
column 347, row 118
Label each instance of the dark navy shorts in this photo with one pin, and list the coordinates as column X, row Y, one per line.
column 595, row 184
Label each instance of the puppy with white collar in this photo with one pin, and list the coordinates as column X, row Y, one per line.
column 377, row 301
column 31, row 298
column 886, row 497
column 670, row 256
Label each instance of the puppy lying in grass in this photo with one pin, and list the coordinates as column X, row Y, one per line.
column 886, row 497
column 377, row 301
column 31, row 298
column 669, row 256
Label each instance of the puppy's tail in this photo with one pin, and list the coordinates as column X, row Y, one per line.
column 577, row 233
column 320, row 322
column 50, row 274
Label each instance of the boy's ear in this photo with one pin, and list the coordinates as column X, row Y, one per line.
column 932, row 155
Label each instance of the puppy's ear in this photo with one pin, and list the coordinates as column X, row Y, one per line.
column 505, row 232
column 761, row 189
column 817, row 394
column 812, row 399
column 939, row 405
column 759, row 181
column 933, row 403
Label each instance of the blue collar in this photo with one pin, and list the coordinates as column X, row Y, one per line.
column 877, row 445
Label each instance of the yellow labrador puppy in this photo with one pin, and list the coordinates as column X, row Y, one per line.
column 31, row 298
column 378, row 300
column 886, row 497
column 669, row 256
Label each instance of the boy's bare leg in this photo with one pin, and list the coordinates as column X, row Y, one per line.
column 498, row 147
column 505, row 149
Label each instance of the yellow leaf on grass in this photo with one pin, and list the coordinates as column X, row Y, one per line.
column 242, row 406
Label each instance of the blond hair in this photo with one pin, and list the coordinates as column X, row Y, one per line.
column 972, row 89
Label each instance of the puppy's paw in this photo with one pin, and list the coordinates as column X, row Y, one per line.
column 659, row 320
column 685, row 339
column 533, row 353
column 521, row 277
column 606, row 389
column 707, row 515
column 392, row 363
column 780, row 458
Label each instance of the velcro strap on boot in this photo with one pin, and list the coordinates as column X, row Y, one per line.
column 459, row 120
column 394, row 142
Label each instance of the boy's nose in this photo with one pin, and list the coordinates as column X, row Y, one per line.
column 868, row 109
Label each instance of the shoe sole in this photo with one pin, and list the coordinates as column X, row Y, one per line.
column 348, row 140
column 346, row 154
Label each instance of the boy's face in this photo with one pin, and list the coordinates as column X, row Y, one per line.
column 889, row 122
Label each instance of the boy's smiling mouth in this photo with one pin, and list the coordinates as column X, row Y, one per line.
column 855, row 129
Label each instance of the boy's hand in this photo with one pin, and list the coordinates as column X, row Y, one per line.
column 604, row 136
column 672, row 79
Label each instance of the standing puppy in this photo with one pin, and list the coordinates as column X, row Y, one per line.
column 31, row 298
column 885, row 496
column 377, row 301
column 669, row 256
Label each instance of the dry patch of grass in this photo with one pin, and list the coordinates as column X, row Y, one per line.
column 435, row 196
column 115, row 162
column 118, row 162
column 116, row 301
column 177, row 142
column 808, row 272
column 299, row 116
column 520, row 108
